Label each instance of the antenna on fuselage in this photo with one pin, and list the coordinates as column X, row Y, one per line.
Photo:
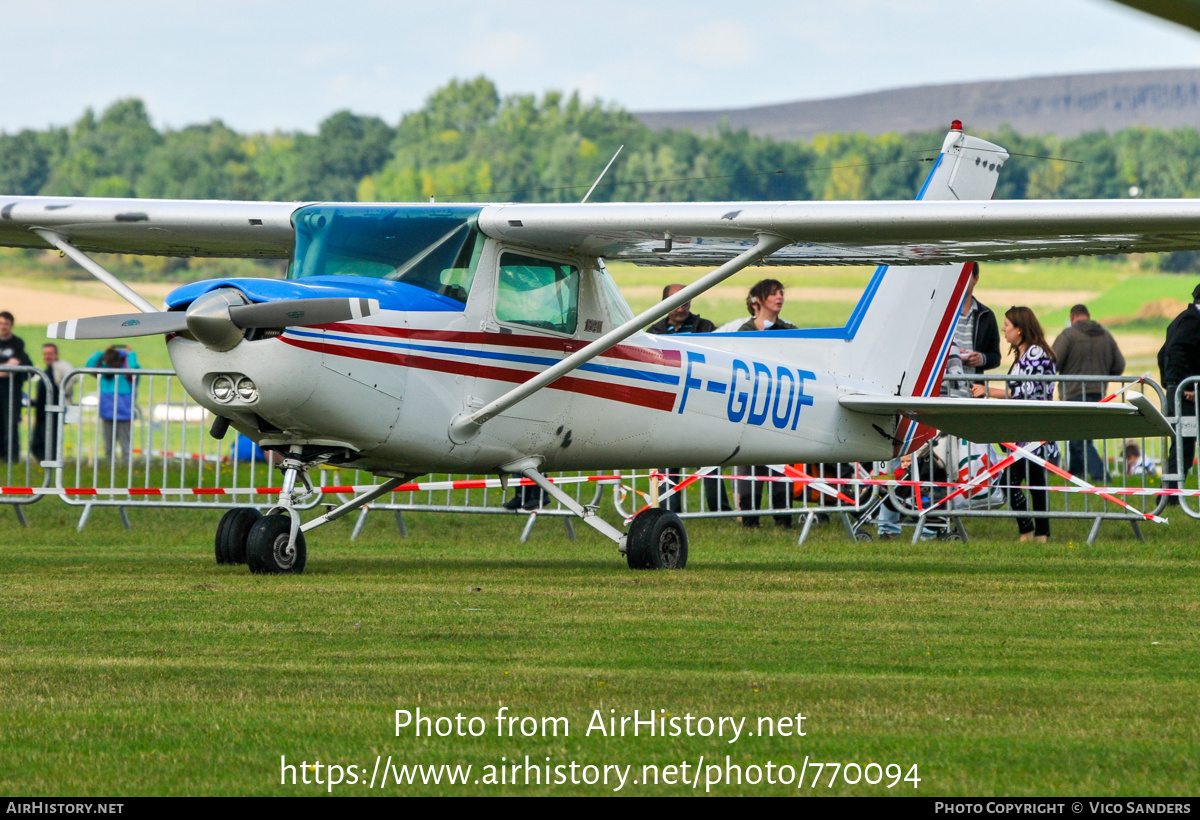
column 602, row 173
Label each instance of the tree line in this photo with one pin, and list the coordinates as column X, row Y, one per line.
column 469, row 143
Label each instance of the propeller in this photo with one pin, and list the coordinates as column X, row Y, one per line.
column 218, row 318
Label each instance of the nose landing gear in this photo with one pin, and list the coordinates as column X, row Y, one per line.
column 274, row 544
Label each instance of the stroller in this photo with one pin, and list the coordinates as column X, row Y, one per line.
column 905, row 505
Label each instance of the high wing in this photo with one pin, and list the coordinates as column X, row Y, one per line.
column 157, row 227
column 817, row 233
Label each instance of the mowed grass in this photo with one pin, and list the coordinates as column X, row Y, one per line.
column 131, row 664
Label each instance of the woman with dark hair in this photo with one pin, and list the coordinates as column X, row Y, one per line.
column 1034, row 357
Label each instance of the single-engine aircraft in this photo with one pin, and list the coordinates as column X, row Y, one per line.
column 489, row 338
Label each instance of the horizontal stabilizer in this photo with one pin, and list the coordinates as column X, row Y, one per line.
column 995, row 420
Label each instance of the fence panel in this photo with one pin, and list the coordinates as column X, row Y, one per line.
column 135, row 438
column 27, row 428
column 1186, row 419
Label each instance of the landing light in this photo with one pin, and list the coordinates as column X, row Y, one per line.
column 223, row 389
column 246, row 389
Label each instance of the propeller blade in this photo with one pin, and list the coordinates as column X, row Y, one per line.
column 302, row 312
column 119, row 326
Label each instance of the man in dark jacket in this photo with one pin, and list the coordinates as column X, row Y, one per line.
column 1178, row 359
column 1086, row 349
column 682, row 320
column 12, row 352
column 976, row 334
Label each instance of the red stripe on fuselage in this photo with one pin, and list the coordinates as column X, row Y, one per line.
column 667, row 358
column 640, row 396
column 924, row 432
column 943, row 328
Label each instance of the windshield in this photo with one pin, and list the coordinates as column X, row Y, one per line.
column 435, row 247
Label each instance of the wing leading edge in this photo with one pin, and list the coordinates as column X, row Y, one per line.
column 819, row 233
column 996, row 420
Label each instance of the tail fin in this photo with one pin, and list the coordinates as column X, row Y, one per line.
column 900, row 332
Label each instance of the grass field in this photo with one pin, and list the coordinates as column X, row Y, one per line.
column 132, row 664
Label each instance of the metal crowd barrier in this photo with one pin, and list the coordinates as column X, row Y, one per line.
column 936, row 508
column 947, row 461
column 137, row 432
column 153, row 449
column 21, row 426
column 1186, row 419
column 474, row 496
column 806, row 494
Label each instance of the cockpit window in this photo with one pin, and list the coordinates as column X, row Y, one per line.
column 614, row 303
column 537, row 293
column 430, row 246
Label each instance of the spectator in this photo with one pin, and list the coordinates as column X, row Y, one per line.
column 975, row 334
column 12, row 352
column 1086, row 349
column 682, row 320
column 527, row 497
column 952, row 385
column 734, row 325
column 1136, row 463
column 769, row 298
column 116, row 398
column 1034, row 357
column 44, row 441
column 1178, row 359
column 767, row 295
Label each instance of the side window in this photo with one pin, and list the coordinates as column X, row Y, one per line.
column 537, row 293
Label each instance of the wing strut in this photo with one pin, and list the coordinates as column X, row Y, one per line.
column 94, row 268
column 465, row 426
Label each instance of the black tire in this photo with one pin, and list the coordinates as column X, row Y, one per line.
column 266, row 547
column 232, row 533
column 657, row 539
column 863, row 535
column 221, row 541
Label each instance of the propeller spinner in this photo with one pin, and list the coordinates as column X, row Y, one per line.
column 218, row 318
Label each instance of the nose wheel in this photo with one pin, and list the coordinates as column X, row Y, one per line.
column 273, row 549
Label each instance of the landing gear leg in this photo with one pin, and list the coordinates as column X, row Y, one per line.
column 275, row 545
column 528, row 467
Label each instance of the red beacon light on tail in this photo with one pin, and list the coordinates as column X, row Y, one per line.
column 956, row 125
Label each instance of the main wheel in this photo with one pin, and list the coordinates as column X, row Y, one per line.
column 657, row 540
column 267, row 547
column 232, row 533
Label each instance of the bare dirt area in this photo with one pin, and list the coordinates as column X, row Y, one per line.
column 38, row 304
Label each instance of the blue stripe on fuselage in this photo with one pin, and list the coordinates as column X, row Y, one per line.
column 608, row 370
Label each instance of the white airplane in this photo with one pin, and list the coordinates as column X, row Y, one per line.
column 415, row 338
